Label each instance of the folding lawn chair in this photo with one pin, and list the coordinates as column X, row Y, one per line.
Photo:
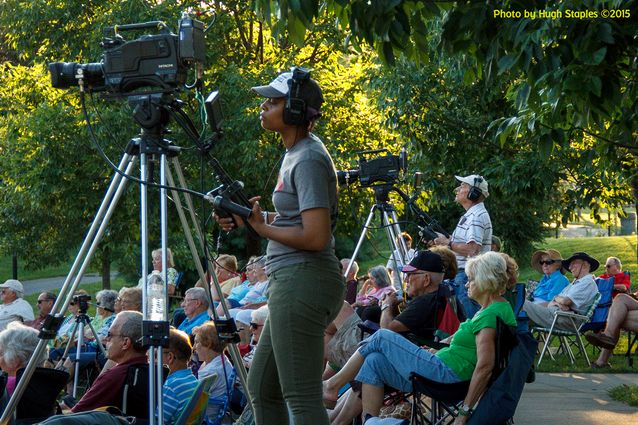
column 576, row 322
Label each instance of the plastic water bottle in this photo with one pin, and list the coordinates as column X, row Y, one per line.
column 156, row 303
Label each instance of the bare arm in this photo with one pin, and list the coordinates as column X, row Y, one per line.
column 485, row 358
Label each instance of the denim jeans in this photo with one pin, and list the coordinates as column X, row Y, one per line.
column 286, row 370
column 470, row 307
column 390, row 358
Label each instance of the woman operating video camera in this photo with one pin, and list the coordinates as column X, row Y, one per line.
column 306, row 285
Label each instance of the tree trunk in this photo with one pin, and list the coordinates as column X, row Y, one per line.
column 106, row 268
column 634, row 188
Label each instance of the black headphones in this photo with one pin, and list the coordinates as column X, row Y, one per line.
column 295, row 108
column 475, row 193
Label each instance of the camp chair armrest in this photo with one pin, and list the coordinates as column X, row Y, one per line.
column 571, row 314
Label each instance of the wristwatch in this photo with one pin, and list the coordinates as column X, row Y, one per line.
column 465, row 410
column 385, row 306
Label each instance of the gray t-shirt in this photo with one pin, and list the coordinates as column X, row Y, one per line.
column 307, row 179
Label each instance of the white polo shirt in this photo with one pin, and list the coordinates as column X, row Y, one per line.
column 474, row 226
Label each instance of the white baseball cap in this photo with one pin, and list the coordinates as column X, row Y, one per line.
column 476, row 181
column 13, row 284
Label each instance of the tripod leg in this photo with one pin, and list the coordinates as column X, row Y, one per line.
column 232, row 348
column 78, row 350
column 361, row 238
column 396, row 242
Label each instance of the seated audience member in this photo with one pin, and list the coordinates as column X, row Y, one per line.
column 613, row 268
column 123, row 346
column 496, row 243
column 195, row 307
column 254, row 299
column 576, row 297
column 210, row 350
column 45, row 305
column 158, row 268
column 550, row 264
column 351, row 280
column 257, row 321
column 180, row 383
column 386, row 358
column 227, row 275
column 13, row 306
column 395, row 269
column 239, row 291
column 424, row 275
column 17, row 344
column 373, row 291
column 623, row 314
column 129, row 299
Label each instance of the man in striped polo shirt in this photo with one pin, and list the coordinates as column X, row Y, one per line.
column 180, row 383
column 472, row 236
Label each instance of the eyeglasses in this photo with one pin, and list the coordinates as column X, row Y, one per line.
column 407, row 275
column 255, row 326
column 547, row 262
column 43, row 301
column 112, row 335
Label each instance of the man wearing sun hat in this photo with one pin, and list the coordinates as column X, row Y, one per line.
column 549, row 262
column 576, row 297
column 473, row 233
column 13, row 306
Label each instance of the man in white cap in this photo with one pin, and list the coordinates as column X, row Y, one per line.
column 13, row 306
column 472, row 236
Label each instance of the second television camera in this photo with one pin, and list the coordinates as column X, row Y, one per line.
column 155, row 60
column 383, row 169
column 82, row 301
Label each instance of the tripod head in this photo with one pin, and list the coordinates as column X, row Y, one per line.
column 151, row 112
column 83, row 303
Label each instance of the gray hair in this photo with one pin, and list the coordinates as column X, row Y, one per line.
column 616, row 261
column 17, row 344
column 131, row 327
column 355, row 266
column 198, row 294
column 380, row 274
column 106, row 298
column 260, row 315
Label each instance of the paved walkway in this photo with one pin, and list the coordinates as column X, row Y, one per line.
column 36, row 286
column 575, row 398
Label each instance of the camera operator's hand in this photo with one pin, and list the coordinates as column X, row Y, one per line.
column 229, row 223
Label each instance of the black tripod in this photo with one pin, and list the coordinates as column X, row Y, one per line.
column 389, row 222
column 81, row 321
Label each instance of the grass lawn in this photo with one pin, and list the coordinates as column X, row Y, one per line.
column 619, row 362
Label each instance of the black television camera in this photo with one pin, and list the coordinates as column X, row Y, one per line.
column 82, row 301
column 384, row 168
column 160, row 61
